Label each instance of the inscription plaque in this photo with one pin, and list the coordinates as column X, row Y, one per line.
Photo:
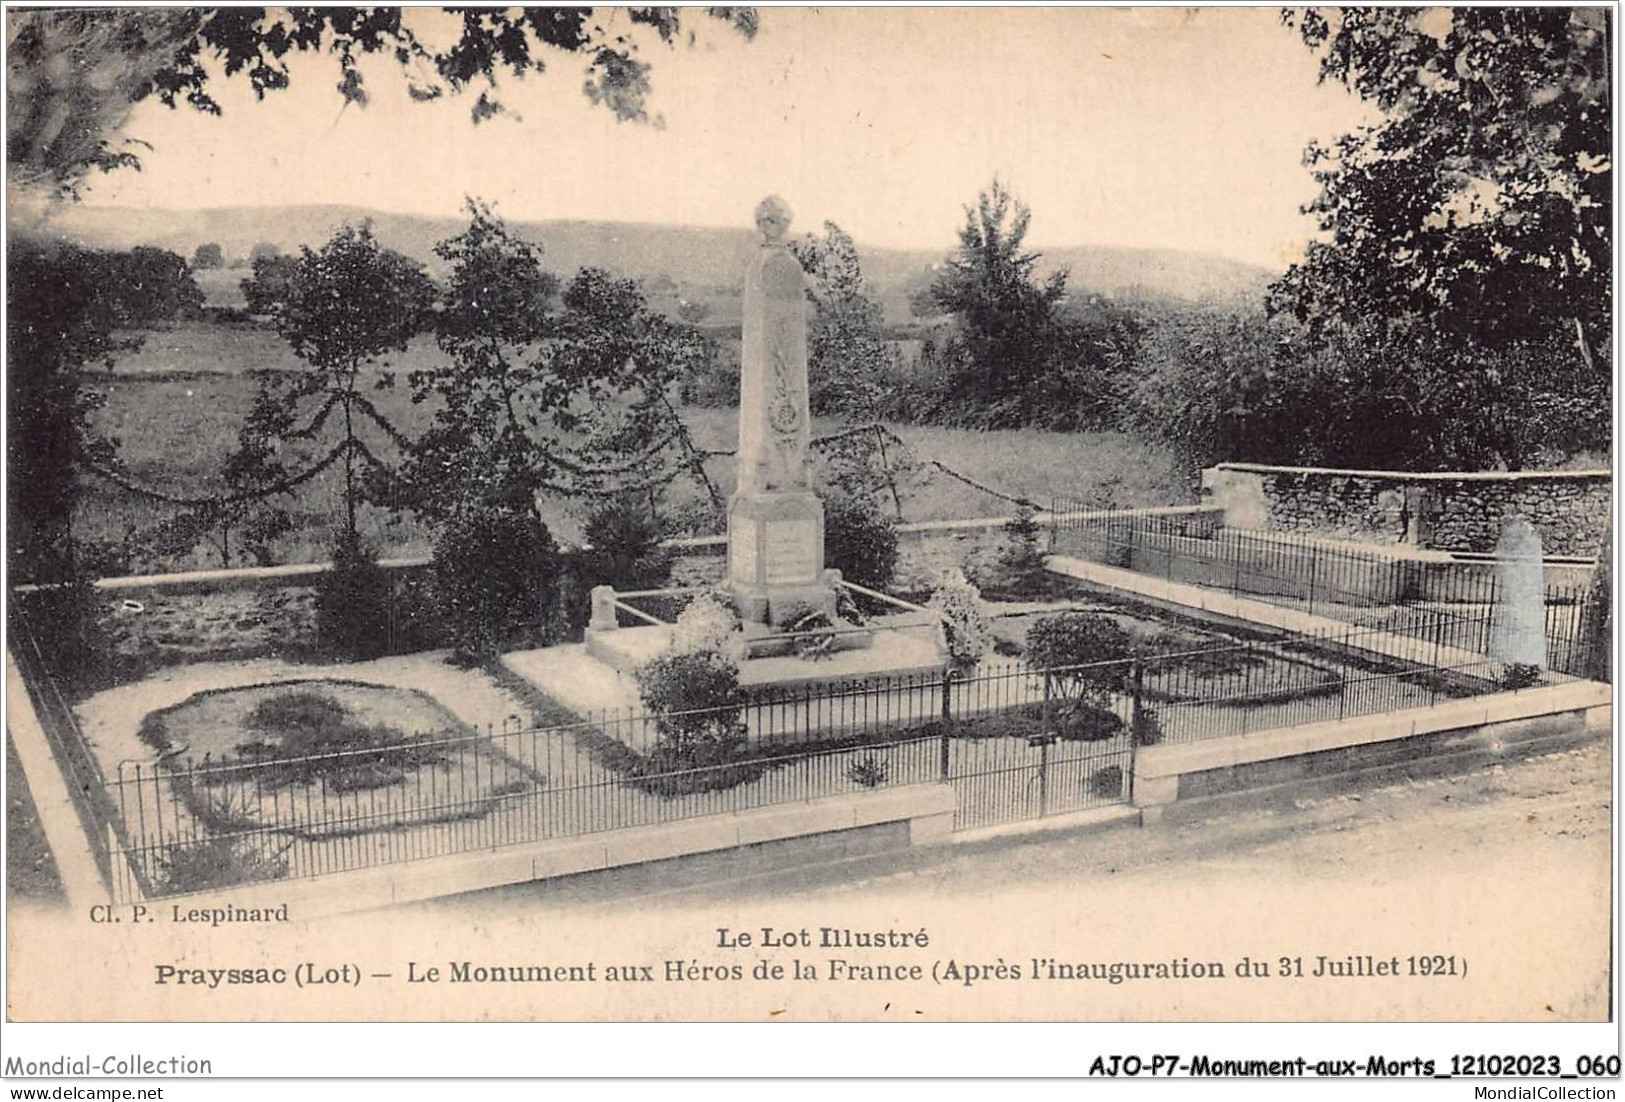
column 790, row 551
column 742, row 551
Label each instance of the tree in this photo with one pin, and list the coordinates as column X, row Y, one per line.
column 1092, row 347
column 1085, row 657
column 251, row 473
column 268, row 286
column 1005, row 314
column 534, row 398
column 847, row 357
column 74, row 75
column 208, row 255
column 146, row 285
column 1468, row 229
column 55, row 327
column 622, row 365
column 1204, row 382
column 263, row 250
column 498, row 404
column 347, row 305
column 353, row 602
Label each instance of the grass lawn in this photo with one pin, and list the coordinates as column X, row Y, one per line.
column 176, row 406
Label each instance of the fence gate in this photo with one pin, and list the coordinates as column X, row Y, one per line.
column 1064, row 751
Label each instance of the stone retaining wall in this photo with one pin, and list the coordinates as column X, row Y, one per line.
column 1450, row 511
column 1494, row 726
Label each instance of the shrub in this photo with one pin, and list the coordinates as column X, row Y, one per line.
column 623, row 547
column 66, row 622
column 962, row 624
column 311, row 737
column 1146, row 728
column 708, row 624
column 154, row 732
column 569, row 606
column 868, row 771
column 1071, row 639
column 296, row 711
column 494, row 569
column 860, row 540
column 420, row 622
column 1071, row 646
column 1021, row 560
column 352, row 603
column 696, row 701
column 217, row 862
column 1084, row 719
column 1519, row 675
column 1107, row 783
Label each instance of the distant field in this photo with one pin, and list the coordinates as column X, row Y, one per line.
column 1106, row 468
column 194, row 348
column 177, row 404
column 223, row 286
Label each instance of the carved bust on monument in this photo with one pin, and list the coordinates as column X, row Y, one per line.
column 775, row 520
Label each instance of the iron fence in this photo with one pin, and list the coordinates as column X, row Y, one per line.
column 1014, row 740
column 1402, row 593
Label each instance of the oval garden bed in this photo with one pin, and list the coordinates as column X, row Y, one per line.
column 326, row 759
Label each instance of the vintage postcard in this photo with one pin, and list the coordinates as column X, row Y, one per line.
column 996, row 514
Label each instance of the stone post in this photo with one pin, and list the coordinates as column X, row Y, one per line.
column 603, row 609
column 1518, row 624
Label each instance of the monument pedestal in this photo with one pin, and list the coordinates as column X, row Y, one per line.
column 776, row 557
column 776, row 570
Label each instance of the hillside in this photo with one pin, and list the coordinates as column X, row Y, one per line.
column 704, row 262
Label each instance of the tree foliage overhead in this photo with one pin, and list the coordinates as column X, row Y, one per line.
column 74, row 75
column 1478, row 207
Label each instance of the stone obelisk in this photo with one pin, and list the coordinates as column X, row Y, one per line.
column 775, row 520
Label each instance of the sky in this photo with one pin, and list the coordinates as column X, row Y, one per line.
column 1148, row 127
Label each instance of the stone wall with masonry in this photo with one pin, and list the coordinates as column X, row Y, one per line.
column 1451, row 511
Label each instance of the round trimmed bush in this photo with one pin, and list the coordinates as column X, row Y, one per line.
column 697, row 702
column 494, row 569
column 352, row 603
column 860, row 540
